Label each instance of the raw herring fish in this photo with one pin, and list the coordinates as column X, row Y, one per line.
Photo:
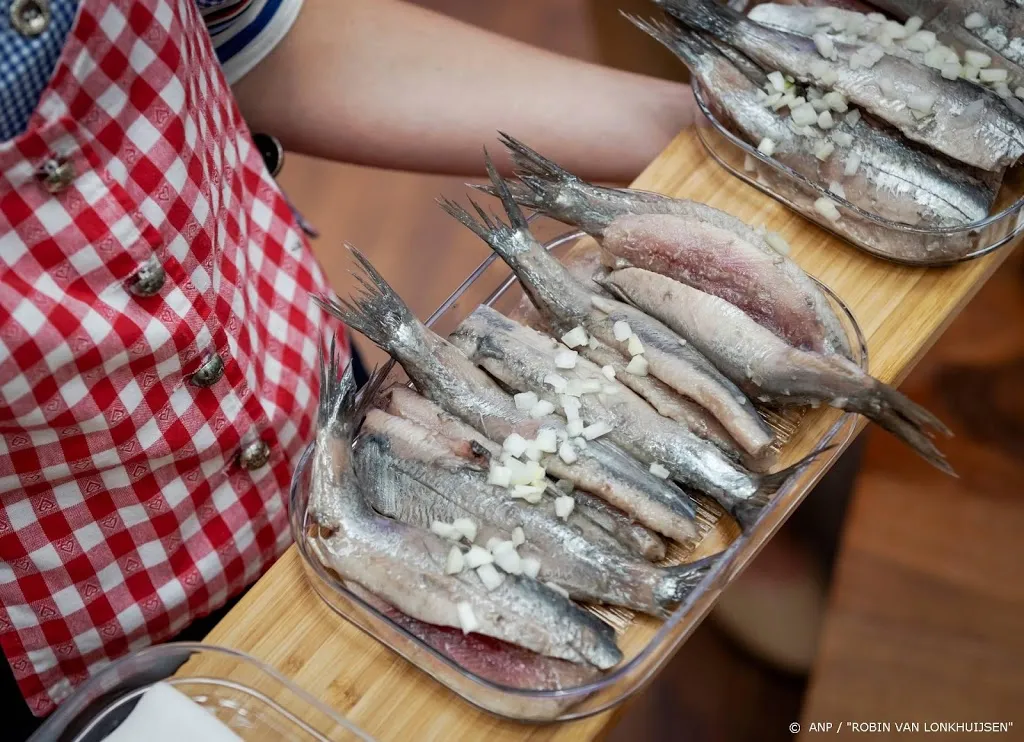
column 583, row 260
column 419, row 493
column 744, row 271
column 451, row 380
column 962, row 121
column 568, row 304
column 752, row 356
column 412, row 441
column 401, row 401
column 405, row 566
column 1002, row 31
column 893, row 180
column 523, row 359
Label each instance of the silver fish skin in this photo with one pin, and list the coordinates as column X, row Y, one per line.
column 419, row 493
column 442, row 450
column 590, row 512
column 747, row 271
column 754, row 357
column 404, row 565
column 965, row 122
column 1003, row 31
column 895, row 181
column 567, row 304
column 445, row 375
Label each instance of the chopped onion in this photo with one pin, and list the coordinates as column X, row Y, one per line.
column 772, row 100
column 804, row 115
column 500, row 476
column 566, row 358
column 445, row 530
column 576, row 337
column 852, row 164
column 1019, row 92
column 477, row 556
column 467, row 621
column 580, row 443
column 853, row 117
column 913, row 24
column 923, row 102
column 556, row 382
column 993, row 75
column 921, row 41
column 842, row 138
column 825, row 47
column 536, row 472
column 596, row 430
column 525, row 400
column 533, row 451
column 819, row 68
column 622, row 331
column 837, row 189
column 637, row 366
column 570, row 403
column 558, row 589
column 935, row 58
column 542, row 408
column 530, row 492
column 824, row 150
column 877, row 17
column 659, row 471
column 518, row 537
column 825, row 120
column 563, row 506
column 819, row 105
column 492, row 542
column 777, row 80
column 547, row 441
column 565, row 451
column 515, row 444
column 831, row 77
column 506, row 557
column 491, row 577
column 777, row 242
column 466, row 527
column 455, row 562
column 837, row 102
column 974, row 21
column 531, row 567
column 609, row 372
column 971, row 72
column 520, row 473
column 977, row 59
column 827, row 208
column 952, row 70
column 574, row 428
column 634, row 346
column 797, row 101
column 749, row 164
column 766, row 147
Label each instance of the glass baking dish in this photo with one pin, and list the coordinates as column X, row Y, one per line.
column 647, row 643
column 249, row 697
column 879, row 236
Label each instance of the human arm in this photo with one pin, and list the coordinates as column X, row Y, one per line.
column 388, row 84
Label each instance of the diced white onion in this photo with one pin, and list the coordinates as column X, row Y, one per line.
column 1002, row 90
column 819, row 105
column 490, row 576
column 825, row 120
column 492, row 542
column 772, row 100
column 921, row 41
column 895, row 30
column 542, row 408
column 992, row 75
column 466, row 527
column 525, row 400
column 467, row 621
column 520, row 473
column 536, row 473
column 853, row 117
column 570, row 402
column 837, row 102
column 558, row 589
column 565, row 451
column 766, row 147
column 797, row 102
column 477, row 556
column 591, row 386
column 556, row 382
column 852, row 164
column 532, row 493
column 563, row 506
column 445, row 530
column 659, row 471
column 827, row 208
column 500, row 476
column 819, row 68
column 777, row 80
column 455, row 563
column 837, row 189
column 566, row 358
column 923, row 102
column 935, row 58
column 842, row 138
column 547, row 441
column 777, row 242
column 576, row 337
column 825, row 46
column 975, row 20
column 531, row 567
column 824, row 150
column 609, row 372
column 518, row 537
column 1019, row 92
column 506, row 557
column 533, row 452
column 515, row 444
column 831, row 77
column 596, row 430
column 804, row 115
column 637, row 366
column 977, row 59
column 580, row 443
column 749, row 163
column 622, row 331
column 634, row 346
column 970, row 73
column 913, row 24
column 574, row 428
column 952, row 70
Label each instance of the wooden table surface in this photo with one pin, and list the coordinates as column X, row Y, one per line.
column 901, row 312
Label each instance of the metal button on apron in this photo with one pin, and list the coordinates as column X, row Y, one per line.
column 255, row 455
column 30, row 17
column 210, row 372
column 272, row 152
column 56, row 174
column 149, row 279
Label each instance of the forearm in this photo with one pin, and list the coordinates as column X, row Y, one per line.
column 387, row 84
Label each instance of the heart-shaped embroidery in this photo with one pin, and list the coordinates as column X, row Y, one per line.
column 110, row 629
column 131, row 564
column 90, row 589
column 45, row 612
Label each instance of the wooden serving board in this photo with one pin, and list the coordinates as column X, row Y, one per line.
column 900, row 310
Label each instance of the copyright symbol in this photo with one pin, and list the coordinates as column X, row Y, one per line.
column 794, row 728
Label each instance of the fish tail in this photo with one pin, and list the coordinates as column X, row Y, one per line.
column 340, row 404
column 529, row 162
column 905, row 419
column 686, row 45
column 679, row 581
column 704, row 15
column 378, row 312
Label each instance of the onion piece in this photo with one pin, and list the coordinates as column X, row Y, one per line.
column 556, row 382
column 566, row 358
column 575, row 429
column 531, row 567
column 596, row 430
column 804, row 115
column 842, row 138
column 445, row 530
column 609, row 372
column 490, row 576
column 921, row 102
column 467, row 620
column 852, row 164
column 515, row 444
column 659, row 471
column 518, row 537
column 749, row 164
column 977, row 59
column 837, row 102
column 975, row 21
column 913, row 24
column 637, row 366
column 837, row 189
column 993, row 75
column 477, row 556
column 466, row 527
column 622, row 331
column 634, row 346
column 500, row 476
column 506, row 557
column 547, row 441
column 455, row 563
column 777, row 80
column 825, row 46
column 825, row 120
column 824, row 150
column 766, row 147
column 576, row 337
column 543, row 408
column 952, row 70
column 563, row 506
column 853, row 117
column 566, row 452
column 827, row 208
column 777, row 242
column 525, row 400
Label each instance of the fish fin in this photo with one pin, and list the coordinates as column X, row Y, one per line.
column 685, row 45
column 703, row 15
column 912, row 412
column 340, row 403
column 515, row 215
column 378, row 312
column 905, row 419
column 522, row 193
column 681, row 580
column 529, row 162
column 771, row 482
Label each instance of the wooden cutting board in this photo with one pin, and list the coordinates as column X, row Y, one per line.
column 901, row 311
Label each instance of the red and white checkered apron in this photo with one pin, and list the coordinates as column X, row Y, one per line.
column 125, row 509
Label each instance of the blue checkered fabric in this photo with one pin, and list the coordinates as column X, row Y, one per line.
column 243, row 32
